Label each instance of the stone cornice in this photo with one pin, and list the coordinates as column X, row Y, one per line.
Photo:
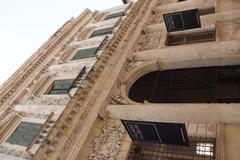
column 20, row 79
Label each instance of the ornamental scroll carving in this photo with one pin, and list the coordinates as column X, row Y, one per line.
column 46, row 100
column 148, row 41
column 14, row 152
column 108, row 144
column 157, row 18
column 118, row 99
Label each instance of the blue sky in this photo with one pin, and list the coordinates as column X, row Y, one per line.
column 27, row 24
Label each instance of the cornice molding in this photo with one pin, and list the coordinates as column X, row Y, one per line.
column 16, row 83
column 63, row 139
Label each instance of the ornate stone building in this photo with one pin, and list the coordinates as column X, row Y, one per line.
column 66, row 101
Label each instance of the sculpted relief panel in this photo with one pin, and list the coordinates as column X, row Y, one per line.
column 108, row 144
column 148, row 41
column 46, row 100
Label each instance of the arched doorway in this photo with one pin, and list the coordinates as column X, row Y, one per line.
column 193, row 85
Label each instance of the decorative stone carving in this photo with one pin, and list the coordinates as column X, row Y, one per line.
column 58, row 60
column 33, row 115
column 148, row 41
column 89, row 43
column 30, row 95
column 14, row 152
column 118, row 99
column 157, row 18
column 104, row 24
column 108, row 144
column 46, row 100
column 131, row 65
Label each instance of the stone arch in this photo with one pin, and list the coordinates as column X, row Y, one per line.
column 152, row 66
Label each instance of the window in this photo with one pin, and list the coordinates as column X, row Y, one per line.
column 25, row 133
column 205, row 149
column 61, row 86
column 193, row 37
column 200, row 148
column 103, row 31
column 85, row 53
column 193, row 85
column 115, row 15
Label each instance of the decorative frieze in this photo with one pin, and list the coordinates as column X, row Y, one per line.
column 46, row 100
column 108, row 143
column 89, row 43
column 104, row 24
column 14, row 152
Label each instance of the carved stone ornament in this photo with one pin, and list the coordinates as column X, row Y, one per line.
column 118, row 99
column 108, row 144
column 157, row 18
column 14, row 152
column 148, row 41
column 46, row 100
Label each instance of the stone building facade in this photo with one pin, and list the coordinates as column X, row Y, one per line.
column 66, row 101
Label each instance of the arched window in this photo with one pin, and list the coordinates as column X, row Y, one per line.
column 196, row 85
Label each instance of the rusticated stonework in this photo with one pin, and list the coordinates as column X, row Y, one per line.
column 108, row 143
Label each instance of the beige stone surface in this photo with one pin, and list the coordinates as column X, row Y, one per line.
column 232, row 141
column 137, row 47
column 202, row 113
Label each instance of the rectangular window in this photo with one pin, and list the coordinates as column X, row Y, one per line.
column 115, row 15
column 25, row 133
column 61, row 86
column 193, row 37
column 85, row 53
column 102, row 32
column 200, row 148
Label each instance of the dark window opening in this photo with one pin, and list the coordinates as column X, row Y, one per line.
column 115, row 15
column 193, row 37
column 85, row 53
column 65, row 85
column 61, row 86
column 200, row 148
column 181, row 0
column 25, row 133
column 102, row 32
column 195, row 85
